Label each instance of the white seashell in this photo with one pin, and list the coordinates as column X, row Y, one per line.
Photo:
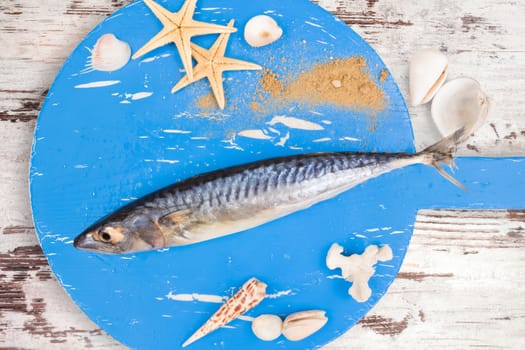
column 109, row 54
column 262, row 30
column 460, row 103
column 300, row 325
column 267, row 327
column 427, row 72
column 248, row 296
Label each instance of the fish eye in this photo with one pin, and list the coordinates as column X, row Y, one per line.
column 110, row 234
column 106, row 237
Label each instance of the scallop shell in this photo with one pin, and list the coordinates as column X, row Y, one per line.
column 262, row 30
column 300, row 325
column 460, row 103
column 427, row 72
column 109, row 54
column 267, row 327
column 248, row 296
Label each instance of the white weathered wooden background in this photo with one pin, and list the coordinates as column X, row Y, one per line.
column 463, row 281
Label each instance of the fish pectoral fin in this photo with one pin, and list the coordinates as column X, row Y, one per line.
column 175, row 218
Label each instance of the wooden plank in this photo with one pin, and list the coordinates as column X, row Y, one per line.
column 461, row 286
column 462, row 283
column 461, row 278
column 479, row 37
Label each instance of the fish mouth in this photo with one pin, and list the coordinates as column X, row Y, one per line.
column 85, row 241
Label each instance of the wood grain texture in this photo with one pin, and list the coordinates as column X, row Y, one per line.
column 463, row 281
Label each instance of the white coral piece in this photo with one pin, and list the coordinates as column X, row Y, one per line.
column 358, row 268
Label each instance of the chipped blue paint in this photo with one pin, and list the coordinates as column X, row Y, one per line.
column 93, row 153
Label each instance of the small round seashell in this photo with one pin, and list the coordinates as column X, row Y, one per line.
column 109, row 53
column 262, row 30
column 427, row 72
column 267, row 327
column 460, row 103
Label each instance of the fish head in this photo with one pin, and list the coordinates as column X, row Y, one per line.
column 116, row 237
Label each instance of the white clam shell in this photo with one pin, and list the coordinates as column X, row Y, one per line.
column 300, row 325
column 460, row 103
column 427, row 72
column 109, row 53
column 262, row 30
column 267, row 327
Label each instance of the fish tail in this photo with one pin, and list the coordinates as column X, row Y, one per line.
column 443, row 152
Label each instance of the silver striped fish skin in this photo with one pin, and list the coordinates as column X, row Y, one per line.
column 236, row 199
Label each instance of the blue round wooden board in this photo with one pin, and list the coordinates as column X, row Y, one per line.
column 96, row 149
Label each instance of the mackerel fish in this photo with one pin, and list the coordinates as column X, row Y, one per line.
column 242, row 197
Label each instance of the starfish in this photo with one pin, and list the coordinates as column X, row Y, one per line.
column 211, row 64
column 179, row 28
